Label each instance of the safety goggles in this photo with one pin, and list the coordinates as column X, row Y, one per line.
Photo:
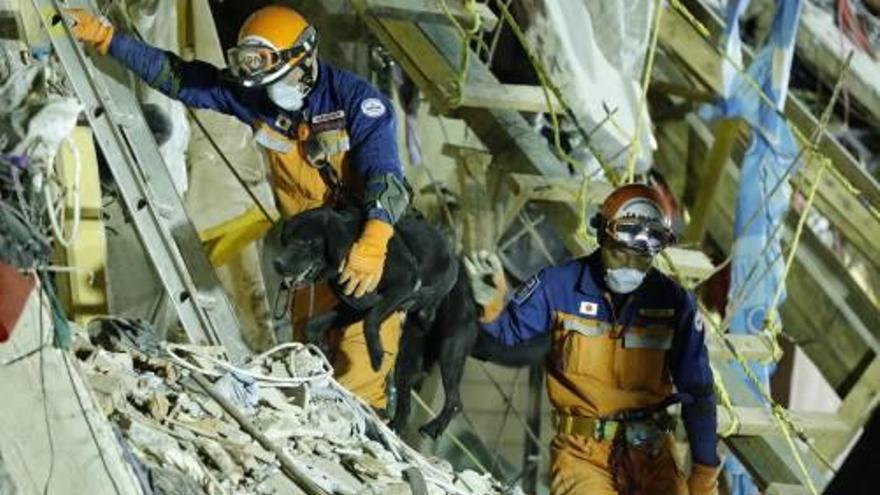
column 257, row 64
column 640, row 235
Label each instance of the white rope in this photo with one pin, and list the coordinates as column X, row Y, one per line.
column 57, row 228
column 265, row 380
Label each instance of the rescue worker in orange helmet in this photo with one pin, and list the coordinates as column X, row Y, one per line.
column 623, row 334
column 328, row 134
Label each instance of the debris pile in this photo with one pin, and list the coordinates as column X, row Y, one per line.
column 181, row 438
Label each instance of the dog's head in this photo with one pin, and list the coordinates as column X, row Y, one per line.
column 313, row 244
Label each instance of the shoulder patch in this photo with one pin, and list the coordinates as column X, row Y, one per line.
column 527, row 289
column 373, row 107
column 699, row 323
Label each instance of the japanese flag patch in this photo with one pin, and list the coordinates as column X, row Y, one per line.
column 588, row 308
column 373, row 107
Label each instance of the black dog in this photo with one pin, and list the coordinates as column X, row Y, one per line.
column 442, row 320
column 422, row 277
column 420, row 268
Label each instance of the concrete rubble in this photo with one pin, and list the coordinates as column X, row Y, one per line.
column 179, row 440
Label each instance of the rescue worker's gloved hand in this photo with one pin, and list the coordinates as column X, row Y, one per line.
column 487, row 282
column 362, row 270
column 703, row 480
column 91, row 29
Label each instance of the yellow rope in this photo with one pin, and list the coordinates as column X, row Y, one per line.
column 467, row 35
column 781, row 418
column 647, row 70
column 724, row 397
column 795, row 241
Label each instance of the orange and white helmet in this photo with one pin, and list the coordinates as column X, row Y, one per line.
column 636, row 217
column 271, row 42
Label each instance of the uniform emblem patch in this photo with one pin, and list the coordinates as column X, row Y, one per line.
column 373, row 107
column 588, row 308
column 526, row 290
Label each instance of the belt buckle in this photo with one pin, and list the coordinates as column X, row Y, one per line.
column 645, row 436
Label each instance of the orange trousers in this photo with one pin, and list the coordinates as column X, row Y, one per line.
column 351, row 361
column 581, row 466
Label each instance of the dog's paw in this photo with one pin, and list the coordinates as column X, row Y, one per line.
column 431, row 430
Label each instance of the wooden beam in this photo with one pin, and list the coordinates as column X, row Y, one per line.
column 726, row 132
column 431, row 11
column 751, row 347
column 759, row 421
column 557, row 189
column 857, row 407
column 519, row 97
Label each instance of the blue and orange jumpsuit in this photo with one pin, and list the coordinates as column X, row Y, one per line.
column 345, row 121
column 614, row 353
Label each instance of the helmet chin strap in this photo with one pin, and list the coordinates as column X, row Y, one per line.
column 309, row 68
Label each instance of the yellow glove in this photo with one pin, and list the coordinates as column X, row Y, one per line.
column 362, row 270
column 703, row 480
column 224, row 241
column 90, row 29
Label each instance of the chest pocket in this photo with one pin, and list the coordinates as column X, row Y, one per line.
column 296, row 177
column 641, row 362
column 583, row 348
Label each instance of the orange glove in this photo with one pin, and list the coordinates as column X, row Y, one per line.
column 90, row 29
column 362, row 269
column 703, row 480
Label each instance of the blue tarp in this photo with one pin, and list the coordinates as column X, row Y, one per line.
column 763, row 195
